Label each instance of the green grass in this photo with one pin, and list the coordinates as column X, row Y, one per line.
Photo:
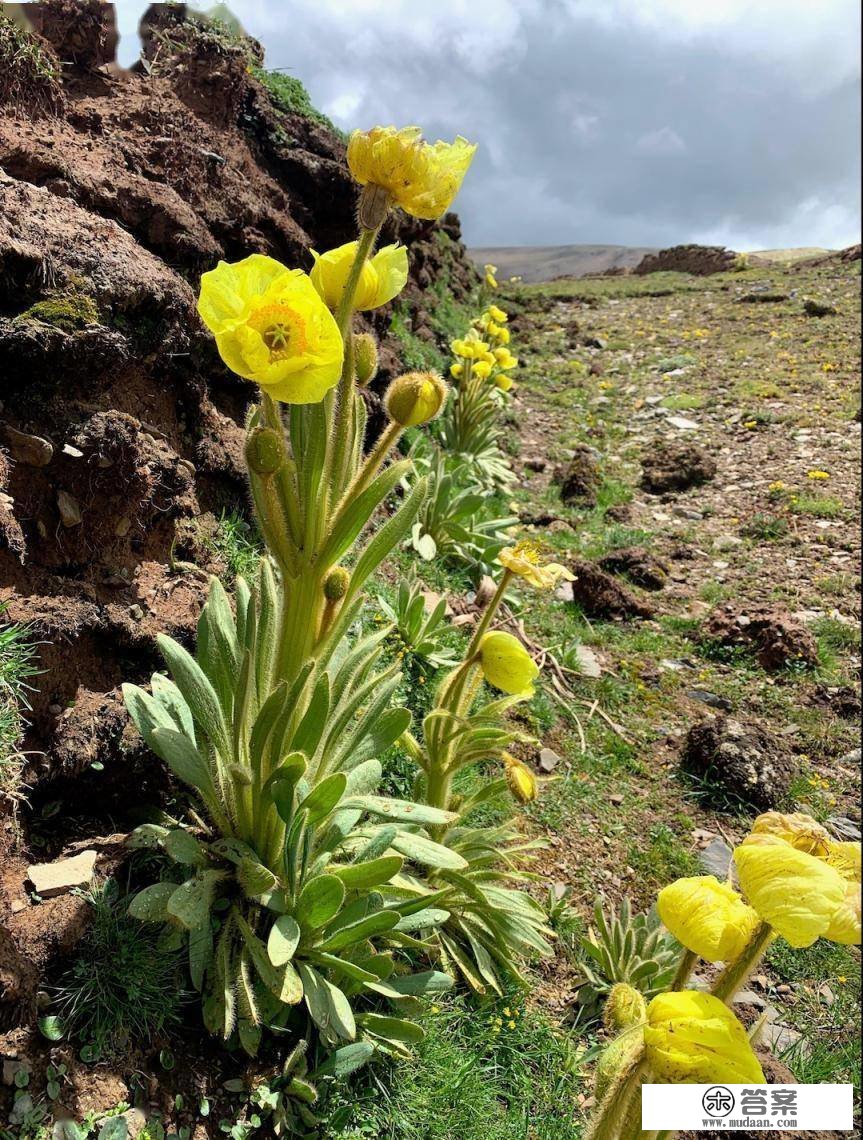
column 498, row 1071
column 818, row 506
column 238, row 543
column 122, row 991
column 290, row 96
column 661, row 857
column 17, row 668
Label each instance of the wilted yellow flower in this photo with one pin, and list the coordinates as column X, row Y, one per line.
column 525, row 560
column 506, row 663
column 707, row 917
column 419, row 177
column 382, row 278
column 520, row 780
column 800, row 830
column 694, row 1038
column 272, row 327
column 415, row 398
column 796, row 893
column 505, row 359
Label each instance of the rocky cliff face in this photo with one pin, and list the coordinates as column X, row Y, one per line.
column 120, row 429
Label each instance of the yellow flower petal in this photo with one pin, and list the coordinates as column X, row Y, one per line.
column 707, row 917
column 796, row 893
column 271, row 327
column 419, row 177
column 382, row 278
column 520, row 780
column 845, row 924
column 800, row 830
column 525, row 560
column 694, row 1038
column 506, row 664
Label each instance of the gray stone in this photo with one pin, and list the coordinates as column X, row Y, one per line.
column 844, row 828
column 63, row 875
column 711, row 699
column 548, row 760
column 69, row 508
column 716, row 858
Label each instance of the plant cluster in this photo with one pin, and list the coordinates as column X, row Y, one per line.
column 798, row 885
column 17, row 667
column 307, row 903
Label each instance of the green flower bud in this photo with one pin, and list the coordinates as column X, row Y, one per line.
column 415, row 398
column 336, row 584
column 624, row 1007
column 265, row 451
column 619, row 1055
column 365, row 358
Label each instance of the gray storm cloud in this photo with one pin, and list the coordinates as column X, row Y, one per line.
column 642, row 124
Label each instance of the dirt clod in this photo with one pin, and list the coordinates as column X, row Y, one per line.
column 741, row 760
column 676, row 466
column 638, row 565
column 579, row 478
column 601, row 596
column 779, row 641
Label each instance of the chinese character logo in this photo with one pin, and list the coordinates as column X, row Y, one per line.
column 718, row 1101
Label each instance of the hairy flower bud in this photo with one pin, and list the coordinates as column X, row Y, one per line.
column 336, row 584
column 265, row 451
column 415, row 398
column 624, row 1007
column 520, row 780
column 365, row 358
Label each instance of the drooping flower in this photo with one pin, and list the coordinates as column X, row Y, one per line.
column 506, row 663
column 382, row 278
column 521, row 782
column 694, row 1038
column 796, row 893
column 707, row 917
column 800, row 830
column 525, row 560
column 419, row 177
column 415, row 398
column 271, row 327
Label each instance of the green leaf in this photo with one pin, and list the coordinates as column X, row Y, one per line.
column 282, row 784
column 200, row 954
column 183, row 847
column 359, row 509
column 255, row 879
column 329, row 1008
column 426, row 851
column 147, row 836
column 392, row 1028
column 320, row 901
column 311, row 727
column 197, row 691
column 183, row 758
column 151, row 904
column 283, row 940
column 420, row 985
column 283, row 982
column 387, row 538
column 422, row 920
column 377, row 923
column 52, row 1027
column 191, row 902
column 375, row 872
column 346, row 1060
column 402, row 810
column 115, row 1128
column 324, row 797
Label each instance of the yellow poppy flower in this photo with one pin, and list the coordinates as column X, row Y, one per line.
column 471, row 348
column 490, row 279
column 707, row 917
column 694, row 1038
column 800, row 830
column 520, row 780
column 272, row 327
column 382, row 278
column 796, row 893
column 505, row 359
column 525, row 560
column 419, row 177
column 482, row 369
column 845, row 924
column 456, row 371
column 504, row 382
column 506, row 663
column 415, row 398
column 497, row 314
column 845, row 857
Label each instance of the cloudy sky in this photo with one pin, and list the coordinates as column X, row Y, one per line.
column 633, row 122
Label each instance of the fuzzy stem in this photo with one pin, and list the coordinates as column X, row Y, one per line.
column 373, row 462
column 614, row 1115
column 684, row 970
column 737, row 973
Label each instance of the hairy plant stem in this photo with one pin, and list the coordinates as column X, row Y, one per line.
column 620, row 1108
column 737, row 973
column 684, row 970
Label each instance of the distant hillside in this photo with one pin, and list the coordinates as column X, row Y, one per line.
column 543, row 263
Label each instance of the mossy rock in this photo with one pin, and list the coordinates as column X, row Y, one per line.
column 69, row 312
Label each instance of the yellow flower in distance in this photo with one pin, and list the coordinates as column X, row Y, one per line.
column 471, row 349
column 796, row 893
column 420, row 177
column 520, row 780
column 707, row 917
column 456, row 371
column 490, row 279
column 497, row 314
column 504, row 382
column 505, row 359
column 694, row 1038
column 525, row 560
column 800, row 830
column 272, row 327
column 382, row 278
column 506, row 663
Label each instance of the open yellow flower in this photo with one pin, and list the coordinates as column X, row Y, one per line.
column 497, row 314
column 505, row 359
column 694, row 1038
column 490, row 278
column 382, row 278
column 800, row 830
column 504, row 382
column 472, row 348
column 520, row 780
column 272, row 327
column 419, row 177
column 798, row 894
column 482, row 369
column 525, row 560
column 707, row 917
column 506, row 663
